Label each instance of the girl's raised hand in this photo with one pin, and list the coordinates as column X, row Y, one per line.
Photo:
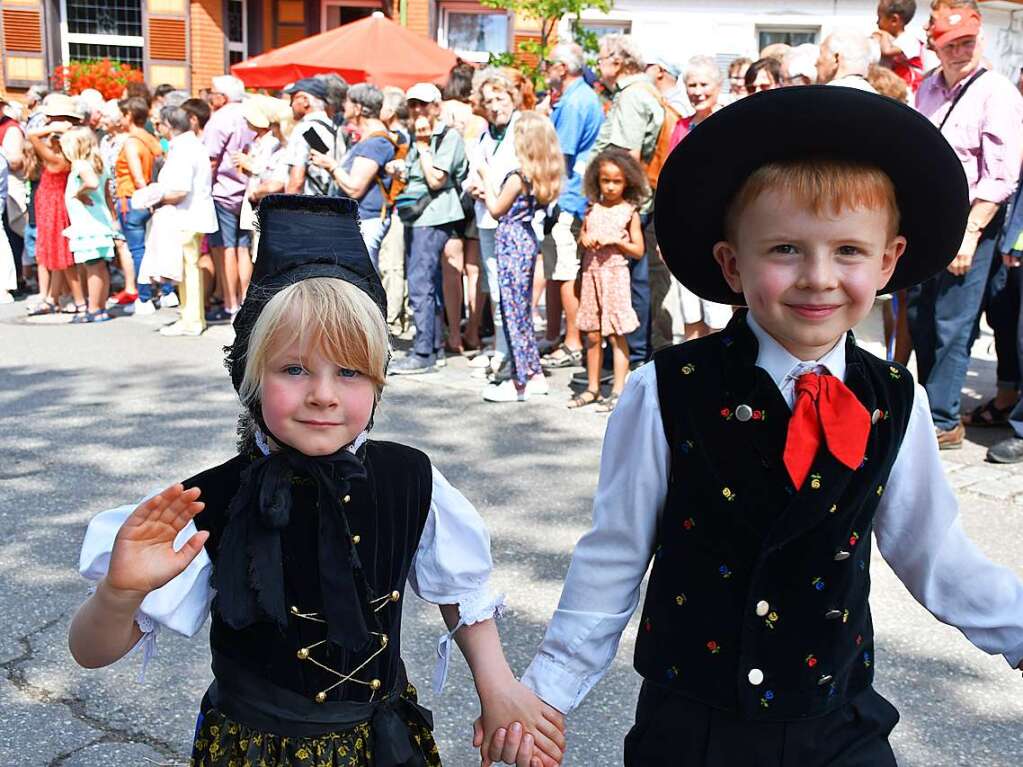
column 143, row 557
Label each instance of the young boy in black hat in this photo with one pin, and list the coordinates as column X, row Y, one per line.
column 753, row 465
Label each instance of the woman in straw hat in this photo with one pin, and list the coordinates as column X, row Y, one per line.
column 53, row 252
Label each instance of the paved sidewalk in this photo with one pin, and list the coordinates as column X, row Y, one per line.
column 93, row 416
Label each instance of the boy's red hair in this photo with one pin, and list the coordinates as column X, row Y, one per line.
column 827, row 187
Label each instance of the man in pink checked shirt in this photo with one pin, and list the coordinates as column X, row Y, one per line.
column 980, row 113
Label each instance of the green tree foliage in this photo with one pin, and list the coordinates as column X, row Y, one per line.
column 548, row 13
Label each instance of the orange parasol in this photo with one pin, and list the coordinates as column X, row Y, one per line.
column 374, row 50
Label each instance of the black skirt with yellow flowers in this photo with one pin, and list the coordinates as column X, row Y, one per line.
column 247, row 723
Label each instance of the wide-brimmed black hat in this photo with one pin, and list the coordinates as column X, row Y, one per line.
column 706, row 170
column 301, row 237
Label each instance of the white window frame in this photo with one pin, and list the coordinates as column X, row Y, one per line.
column 66, row 38
column 447, row 7
column 612, row 26
column 243, row 46
column 794, row 28
column 324, row 4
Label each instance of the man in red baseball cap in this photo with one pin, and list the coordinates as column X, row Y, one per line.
column 980, row 113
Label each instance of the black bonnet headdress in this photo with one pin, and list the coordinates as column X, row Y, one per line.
column 301, row 237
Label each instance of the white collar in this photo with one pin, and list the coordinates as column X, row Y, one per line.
column 782, row 366
column 183, row 138
column 264, row 445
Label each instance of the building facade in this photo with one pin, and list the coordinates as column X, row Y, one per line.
column 728, row 29
column 187, row 42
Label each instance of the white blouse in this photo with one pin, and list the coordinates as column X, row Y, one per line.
column 917, row 529
column 452, row 565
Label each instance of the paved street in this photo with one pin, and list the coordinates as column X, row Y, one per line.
column 91, row 417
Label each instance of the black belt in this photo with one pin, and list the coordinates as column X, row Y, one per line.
column 250, row 700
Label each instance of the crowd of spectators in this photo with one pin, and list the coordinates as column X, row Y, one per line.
column 511, row 225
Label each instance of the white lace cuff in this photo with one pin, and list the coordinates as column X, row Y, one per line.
column 474, row 607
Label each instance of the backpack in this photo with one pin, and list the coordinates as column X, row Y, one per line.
column 398, row 184
column 663, row 146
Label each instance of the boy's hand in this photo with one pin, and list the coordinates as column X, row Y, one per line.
column 518, row 728
column 143, row 557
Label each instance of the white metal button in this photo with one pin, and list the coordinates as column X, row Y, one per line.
column 763, row 608
column 744, row 412
column 756, row 677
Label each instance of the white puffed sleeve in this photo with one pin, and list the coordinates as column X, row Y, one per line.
column 182, row 605
column 452, row 566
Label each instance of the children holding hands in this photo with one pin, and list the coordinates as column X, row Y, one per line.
column 299, row 547
column 751, row 467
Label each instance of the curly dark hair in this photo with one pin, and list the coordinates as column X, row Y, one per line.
column 637, row 189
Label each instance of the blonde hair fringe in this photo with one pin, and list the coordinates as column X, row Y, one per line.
column 81, row 144
column 539, row 153
column 824, row 186
column 324, row 313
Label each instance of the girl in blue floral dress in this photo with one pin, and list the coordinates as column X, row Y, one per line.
column 537, row 182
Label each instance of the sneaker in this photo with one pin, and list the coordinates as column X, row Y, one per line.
column 1007, row 451
column 504, row 392
column 143, row 308
column 169, row 301
column 411, row 364
column 179, row 328
column 122, row 298
column 442, row 358
column 537, row 386
column 219, row 314
column 6, row 297
column 950, row 439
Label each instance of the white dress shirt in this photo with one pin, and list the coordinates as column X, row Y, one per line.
column 452, row 566
column 916, row 526
column 187, row 169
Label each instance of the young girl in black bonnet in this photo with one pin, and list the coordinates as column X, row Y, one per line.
column 304, row 540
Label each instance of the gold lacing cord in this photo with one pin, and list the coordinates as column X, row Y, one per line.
column 304, row 653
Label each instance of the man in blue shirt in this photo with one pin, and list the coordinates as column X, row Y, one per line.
column 577, row 118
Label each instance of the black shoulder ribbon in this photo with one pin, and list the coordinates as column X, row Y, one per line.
column 249, row 572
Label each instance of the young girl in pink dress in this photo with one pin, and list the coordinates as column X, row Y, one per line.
column 616, row 186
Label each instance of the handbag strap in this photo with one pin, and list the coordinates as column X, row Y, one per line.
column 959, row 95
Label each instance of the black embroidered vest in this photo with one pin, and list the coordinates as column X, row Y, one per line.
column 757, row 602
column 387, row 512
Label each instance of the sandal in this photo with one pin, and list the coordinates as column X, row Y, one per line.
column 584, row 398
column 87, row 317
column 562, row 357
column 44, row 307
column 75, row 309
column 988, row 414
column 609, row 403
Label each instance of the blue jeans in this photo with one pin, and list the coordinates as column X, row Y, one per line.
column 492, row 287
column 943, row 314
column 1002, row 309
column 373, row 232
column 133, row 226
column 424, row 245
column 639, row 280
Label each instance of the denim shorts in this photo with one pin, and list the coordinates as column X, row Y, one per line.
column 229, row 234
